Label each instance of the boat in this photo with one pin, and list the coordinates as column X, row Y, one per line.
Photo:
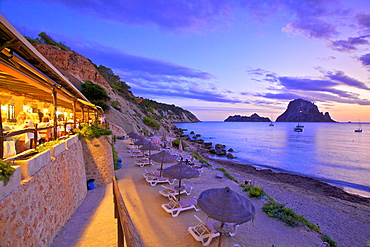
column 299, row 128
column 359, row 127
column 271, row 124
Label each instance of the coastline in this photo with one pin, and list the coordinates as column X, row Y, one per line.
column 299, row 181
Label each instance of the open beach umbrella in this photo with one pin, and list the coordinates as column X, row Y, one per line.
column 163, row 157
column 180, row 171
column 150, row 146
column 226, row 206
column 141, row 141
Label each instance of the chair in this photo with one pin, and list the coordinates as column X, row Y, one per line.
column 153, row 179
column 203, row 232
column 168, row 190
column 149, row 173
column 175, row 207
column 144, row 163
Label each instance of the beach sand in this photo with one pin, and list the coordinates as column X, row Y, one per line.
column 344, row 217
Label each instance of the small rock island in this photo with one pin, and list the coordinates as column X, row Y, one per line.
column 253, row 118
column 300, row 110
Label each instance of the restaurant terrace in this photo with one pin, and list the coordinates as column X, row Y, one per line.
column 37, row 101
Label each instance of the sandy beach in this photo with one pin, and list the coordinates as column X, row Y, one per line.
column 343, row 217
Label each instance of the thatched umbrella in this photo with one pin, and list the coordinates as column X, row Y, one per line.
column 180, row 171
column 226, row 206
column 134, row 135
column 141, row 141
column 150, row 146
column 163, row 157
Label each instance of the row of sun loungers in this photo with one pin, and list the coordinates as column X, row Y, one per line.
column 203, row 232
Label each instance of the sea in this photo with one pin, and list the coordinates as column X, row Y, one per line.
column 330, row 152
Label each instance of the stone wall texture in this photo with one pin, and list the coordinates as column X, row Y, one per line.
column 34, row 213
column 98, row 160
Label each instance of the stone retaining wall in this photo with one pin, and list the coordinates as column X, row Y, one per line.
column 34, row 212
column 98, row 160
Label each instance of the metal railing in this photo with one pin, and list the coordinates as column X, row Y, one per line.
column 126, row 230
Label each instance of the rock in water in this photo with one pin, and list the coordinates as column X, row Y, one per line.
column 300, row 110
column 253, row 118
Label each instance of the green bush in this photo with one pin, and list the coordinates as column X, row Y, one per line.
column 227, row 174
column 47, row 145
column 255, row 191
column 176, row 143
column 151, row 123
column 6, row 171
column 93, row 91
column 100, row 103
column 116, row 105
column 91, row 131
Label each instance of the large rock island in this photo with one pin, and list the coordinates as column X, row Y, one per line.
column 300, row 110
column 253, row 118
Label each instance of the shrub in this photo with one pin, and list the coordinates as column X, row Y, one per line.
column 176, row 143
column 227, row 174
column 6, row 171
column 151, row 123
column 47, row 145
column 116, row 105
column 91, row 131
column 255, row 191
column 100, row 103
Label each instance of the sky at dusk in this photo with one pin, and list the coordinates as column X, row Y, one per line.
column 218, row 58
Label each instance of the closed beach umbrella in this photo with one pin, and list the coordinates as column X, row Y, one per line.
column 156, row 140
column 226, row 206
column 180, row 146
column 180, row 171
column 150, row 146
column 163, row 157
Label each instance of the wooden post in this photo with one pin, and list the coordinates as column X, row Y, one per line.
column 1, row 135
column 74, row 112
column 55, row 132
column 83, row 114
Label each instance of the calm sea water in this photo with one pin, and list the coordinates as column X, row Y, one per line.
column 330, row 152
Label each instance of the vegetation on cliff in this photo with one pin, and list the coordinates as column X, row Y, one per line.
column 43, row 38
column 95, row 93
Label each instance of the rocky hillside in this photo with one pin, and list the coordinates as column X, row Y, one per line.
column 300, row 110
column 126, row 110
column 253, row 118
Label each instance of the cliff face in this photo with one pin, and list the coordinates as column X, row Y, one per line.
column 300, row 110
column 253, row 118
column 129, row 114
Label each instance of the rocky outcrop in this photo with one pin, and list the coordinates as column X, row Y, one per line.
column 72, row 65
column 129, row 115
column 300, row 110
column 253, row 118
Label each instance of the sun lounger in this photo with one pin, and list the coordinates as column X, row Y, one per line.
column 150, row 174
column 175, row 207
column 142, row 164
column 203, row 231
column 153, row 179
column 166, row 191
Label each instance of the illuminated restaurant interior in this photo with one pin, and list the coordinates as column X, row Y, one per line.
column 38, row 103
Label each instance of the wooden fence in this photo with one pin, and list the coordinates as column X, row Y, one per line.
column 125, row 228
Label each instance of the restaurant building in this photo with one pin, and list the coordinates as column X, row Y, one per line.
column 31, row 88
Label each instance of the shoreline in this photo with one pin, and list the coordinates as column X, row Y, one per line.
column 302, row 182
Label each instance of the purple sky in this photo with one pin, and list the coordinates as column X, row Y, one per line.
column 219, row 58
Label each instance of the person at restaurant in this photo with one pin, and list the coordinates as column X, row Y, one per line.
column 24, row 121
column 44, row 134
